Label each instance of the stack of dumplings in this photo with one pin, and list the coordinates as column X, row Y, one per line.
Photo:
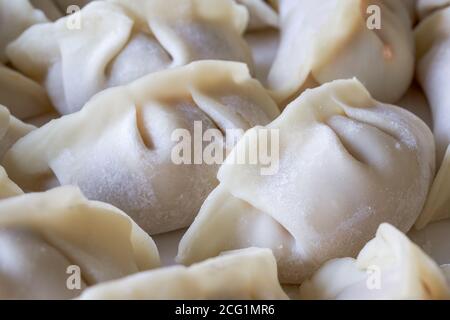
column 224, row 149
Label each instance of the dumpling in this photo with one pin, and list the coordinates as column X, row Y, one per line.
column 43, row 234
column 426, row 7
column 15, row 17
column 7, row 187
column 122, row 40
column 330, row 39
column 344, row 164
column 120, row 147
column 244, row 274
column 262, row 35
column 433, row 71
column 25, row 99
column 11, row 130
column 389, row 267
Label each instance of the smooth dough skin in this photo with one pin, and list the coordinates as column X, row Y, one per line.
column 433, row 72
column 119, row 41
column 243, row 274
column 328, row 40
column 346, row 164
column 119, row 148
column 389, row 267
column 41, row 234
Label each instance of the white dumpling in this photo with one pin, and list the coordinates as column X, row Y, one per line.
column 389, row 267
column 11, row 130
column 330, row 39
column 433, row 71
column 346, row 164
column 426, row 7
column 25, row 98
column 244, row 274
column 15, row 17
column 119, row 41
column 118, row 148
column 43, row 233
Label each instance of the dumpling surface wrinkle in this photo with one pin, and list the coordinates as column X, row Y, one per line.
column 24, row 98
column 244, row 274
column 346, row 164
column 7, row 187
column 15, row 17
column 41, row 234
column 427, row 7
column 433, row 72
column 11, row 130
column 328, row 40
column 120, row 41
column 119, row 148
column 389, row 267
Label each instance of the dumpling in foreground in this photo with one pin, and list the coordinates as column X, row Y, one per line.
column 244, row 274
column 433, row 71
column 389, row 267
column 121, row 148
column 328, row 40
column 345, row 163
column 44, row 235
column 119, row 41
